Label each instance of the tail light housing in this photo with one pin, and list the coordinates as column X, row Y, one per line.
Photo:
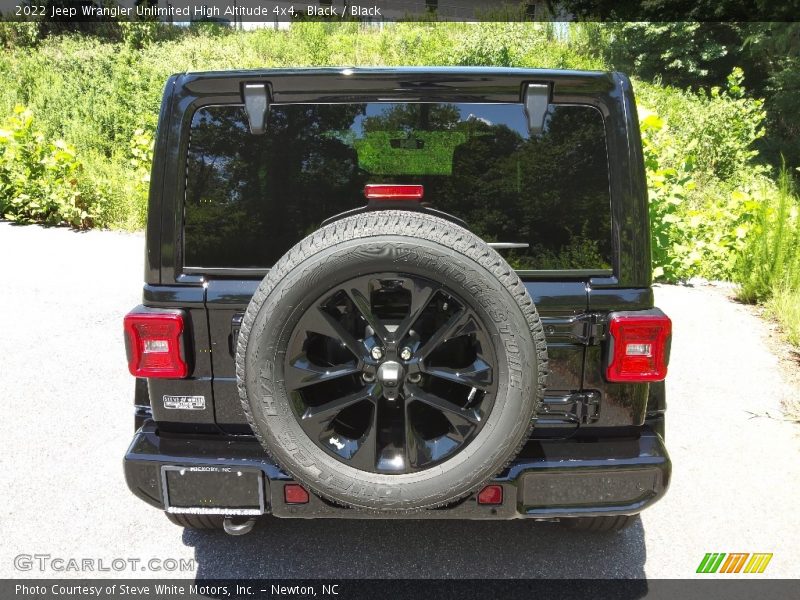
column 154, row 343
column 639, row 347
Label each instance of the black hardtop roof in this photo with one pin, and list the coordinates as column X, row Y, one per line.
column 404, row 70
column 491, row 84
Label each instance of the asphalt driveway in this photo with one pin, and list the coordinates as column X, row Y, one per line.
column 68, row 420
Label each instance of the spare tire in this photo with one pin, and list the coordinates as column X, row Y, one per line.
column 391, row 361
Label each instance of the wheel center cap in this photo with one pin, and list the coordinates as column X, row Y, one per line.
column 390, row 374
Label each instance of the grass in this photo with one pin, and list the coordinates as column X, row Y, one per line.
column 784, row 306
column 770, row 260
column 768, row 269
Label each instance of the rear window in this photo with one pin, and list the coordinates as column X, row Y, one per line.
column 249, row 198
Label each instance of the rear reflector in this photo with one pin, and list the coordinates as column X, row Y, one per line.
column 295, row 494
column 154, row 345
column 491, row 494
column 639, row 346
column 382, row 191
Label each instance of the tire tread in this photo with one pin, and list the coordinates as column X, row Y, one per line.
column 196, row 521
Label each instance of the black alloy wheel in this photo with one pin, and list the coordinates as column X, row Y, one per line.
column 390, row 373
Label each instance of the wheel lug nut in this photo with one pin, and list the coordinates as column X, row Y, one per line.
column 368, row 377
column 405, row 353
column 415, row 378
column 377, row 353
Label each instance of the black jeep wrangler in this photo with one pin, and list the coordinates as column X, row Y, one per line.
column 382, row 293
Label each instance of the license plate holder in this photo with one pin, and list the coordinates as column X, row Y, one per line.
column 212, row 490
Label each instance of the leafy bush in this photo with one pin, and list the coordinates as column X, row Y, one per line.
column 716, row 130
column 38, row 178
column 672, row 251
column 702, row 182
column 19, row 34
column 681, row 53
column 699, row 55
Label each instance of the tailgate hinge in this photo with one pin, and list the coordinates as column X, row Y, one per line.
column 588, row 407
column 578, row 407
column 236, row 325
column 596, row 328
column 587, row 328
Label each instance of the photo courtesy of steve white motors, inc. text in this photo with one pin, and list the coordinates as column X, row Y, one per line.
column 171, row 589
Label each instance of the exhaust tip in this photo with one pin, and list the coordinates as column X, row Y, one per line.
column 233, row 528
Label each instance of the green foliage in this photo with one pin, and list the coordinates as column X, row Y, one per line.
column 770, row 259
column 679, row 53
column 141, row 149
column 701, row 176
column 19, row 34
column 700, row 55
column 716, row 130
column 98, row 91
column 137, row 35
column 38, row 178
column 768, row 268
column 673, row 256
column 773, row 54
column 500, row 44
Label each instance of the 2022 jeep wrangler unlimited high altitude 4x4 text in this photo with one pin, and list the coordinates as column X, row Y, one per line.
column 398, row 292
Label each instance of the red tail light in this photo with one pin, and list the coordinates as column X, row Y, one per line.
column 154, row 345
column 639, row 347
column 382, row 191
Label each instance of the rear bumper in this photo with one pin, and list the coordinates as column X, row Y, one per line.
column 550, row 479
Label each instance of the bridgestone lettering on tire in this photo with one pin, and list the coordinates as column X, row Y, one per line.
column 391, row 361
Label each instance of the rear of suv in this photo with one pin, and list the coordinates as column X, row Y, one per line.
column 382, row 293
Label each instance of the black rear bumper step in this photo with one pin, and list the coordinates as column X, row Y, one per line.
column 549, row 479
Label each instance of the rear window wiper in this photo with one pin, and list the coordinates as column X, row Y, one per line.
column 508, row 245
